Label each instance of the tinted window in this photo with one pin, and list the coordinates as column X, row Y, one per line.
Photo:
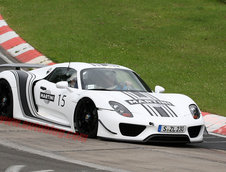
column 61, row 74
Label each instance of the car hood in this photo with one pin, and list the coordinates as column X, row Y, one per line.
column 154, row 104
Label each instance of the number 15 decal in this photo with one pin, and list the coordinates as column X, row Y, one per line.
column 61, row 100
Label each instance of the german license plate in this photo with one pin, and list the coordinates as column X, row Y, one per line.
column 171, row 129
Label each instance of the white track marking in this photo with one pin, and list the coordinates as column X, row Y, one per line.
column 20, row 49
column 3, row 23
column 14, row 168
column 7, row 36
column 40, row 60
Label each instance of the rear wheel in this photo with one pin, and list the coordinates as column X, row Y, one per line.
column 86, row 118
column 6, row 100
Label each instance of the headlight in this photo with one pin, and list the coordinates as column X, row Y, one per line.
column 194, row 111
column 120, row 109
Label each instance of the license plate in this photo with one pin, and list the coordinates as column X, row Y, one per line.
column 171, row 129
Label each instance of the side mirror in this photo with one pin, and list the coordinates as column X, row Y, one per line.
column 159, row 89
column 62, row 84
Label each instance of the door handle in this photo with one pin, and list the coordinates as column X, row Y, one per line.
column 43, row 88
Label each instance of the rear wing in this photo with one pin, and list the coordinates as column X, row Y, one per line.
column 17, row 66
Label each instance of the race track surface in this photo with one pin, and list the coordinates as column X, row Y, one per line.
column 34, row 150
column 207, row 156
column 20, row 161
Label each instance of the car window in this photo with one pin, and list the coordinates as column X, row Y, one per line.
column 62, row 74
column 111, row 79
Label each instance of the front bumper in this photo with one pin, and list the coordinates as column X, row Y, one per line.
column 145, row 129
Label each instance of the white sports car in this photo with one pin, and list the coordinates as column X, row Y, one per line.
column 104, row 100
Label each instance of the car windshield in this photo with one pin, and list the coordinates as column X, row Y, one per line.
column 111, row 79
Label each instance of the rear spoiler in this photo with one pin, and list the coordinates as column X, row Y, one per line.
column 17, row 66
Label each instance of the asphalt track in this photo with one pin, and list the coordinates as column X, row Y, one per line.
column 25, row 150
column 14, row 160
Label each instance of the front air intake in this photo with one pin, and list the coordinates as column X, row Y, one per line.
column 131, row 129
column 194, row 131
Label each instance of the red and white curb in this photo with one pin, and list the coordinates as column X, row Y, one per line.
column 25, row 53
column 18, row 48
column 215, row 124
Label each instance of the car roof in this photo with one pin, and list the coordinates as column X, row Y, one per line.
column 79, row 66
column 82, row 65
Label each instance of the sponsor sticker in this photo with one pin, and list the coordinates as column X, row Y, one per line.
column 148, row 101
column 47, row 96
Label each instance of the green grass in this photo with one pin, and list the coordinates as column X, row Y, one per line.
column 180, row 45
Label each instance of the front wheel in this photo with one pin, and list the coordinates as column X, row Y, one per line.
column 86, row 118
column 6, row 100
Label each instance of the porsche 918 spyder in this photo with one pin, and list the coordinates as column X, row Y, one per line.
column 98, row 100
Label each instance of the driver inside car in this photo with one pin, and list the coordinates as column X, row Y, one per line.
column 113, row 83
column 72, row 81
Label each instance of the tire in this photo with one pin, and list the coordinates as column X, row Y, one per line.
column 6, row 100
column 86, row 118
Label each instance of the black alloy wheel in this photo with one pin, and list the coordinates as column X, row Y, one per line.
column 86, row 118
column 6, row 100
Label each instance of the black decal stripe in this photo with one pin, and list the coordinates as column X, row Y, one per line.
column 147, row 109
column 31, row 100
column 33, row 96
column 106, row 127
column 151, row 96
column 166, row 109
column 139, row 94
column 166, row 106
column 161, row 111
column 133, row 95
column 23, row 76
column 127, row 93
column 172, row 111
column 22, row 94
column 152, row 110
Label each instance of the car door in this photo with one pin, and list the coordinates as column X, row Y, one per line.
column 54, row 104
